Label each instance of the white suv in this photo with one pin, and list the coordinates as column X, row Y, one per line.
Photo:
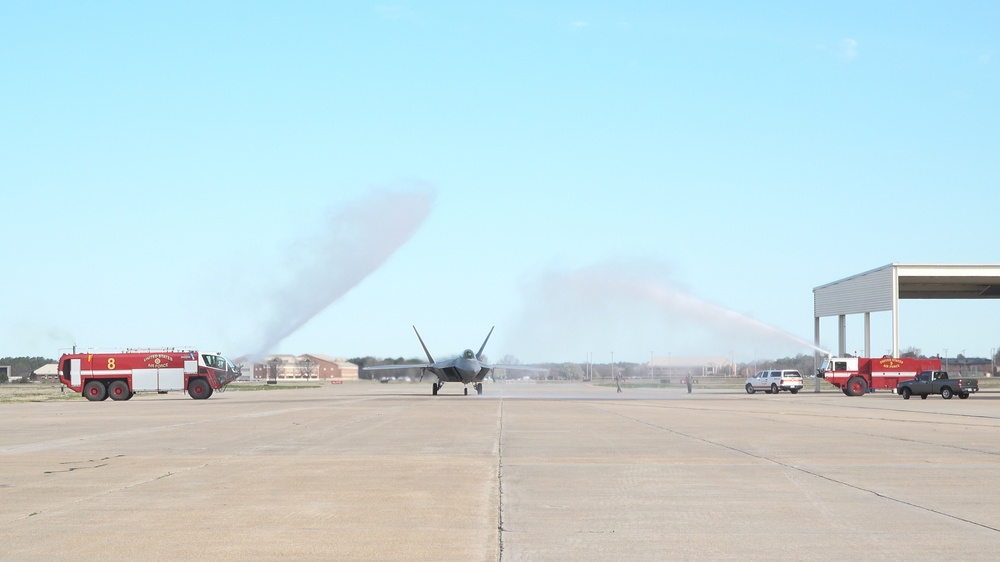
column 772, row 382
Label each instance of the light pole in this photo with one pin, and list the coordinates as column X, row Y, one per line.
column 946, row 359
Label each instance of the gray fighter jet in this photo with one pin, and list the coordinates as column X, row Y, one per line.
column 468, row 368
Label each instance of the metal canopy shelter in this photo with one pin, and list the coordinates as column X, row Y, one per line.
column 881, row 289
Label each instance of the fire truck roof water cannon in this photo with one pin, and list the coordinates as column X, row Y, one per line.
column 121, row 374
column 856, row 376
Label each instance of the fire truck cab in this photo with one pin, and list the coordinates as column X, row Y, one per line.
column 120, row 375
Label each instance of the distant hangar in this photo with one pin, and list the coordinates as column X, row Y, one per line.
column 881, row 289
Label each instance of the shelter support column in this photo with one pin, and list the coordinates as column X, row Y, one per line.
column 868, row 334
column 895, row 328
column 816, row 355
column 842, row 335
column 895, row 312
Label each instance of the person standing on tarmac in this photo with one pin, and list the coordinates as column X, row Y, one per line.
column 689, row 383
column 618, row 382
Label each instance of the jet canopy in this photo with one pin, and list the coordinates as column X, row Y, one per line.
column 468, row 354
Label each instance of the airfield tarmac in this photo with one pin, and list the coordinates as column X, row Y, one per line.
column 527, row 471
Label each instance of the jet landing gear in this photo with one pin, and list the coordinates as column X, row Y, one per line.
column 438, row 386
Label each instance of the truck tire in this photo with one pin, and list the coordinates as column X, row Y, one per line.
column 95, row 391
column 963, row 395
column 856, row 386
column 946, row 393
column 750, row 389
column 905, row 393
column 774, row 388
column 118, row 390
column 923, row 397
column 199, row 389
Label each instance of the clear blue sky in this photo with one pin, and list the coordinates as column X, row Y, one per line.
column 645, row 178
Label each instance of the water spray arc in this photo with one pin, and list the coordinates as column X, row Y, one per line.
column 355, row 241
column 631, row 306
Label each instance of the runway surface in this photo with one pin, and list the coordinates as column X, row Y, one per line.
column 527, row 471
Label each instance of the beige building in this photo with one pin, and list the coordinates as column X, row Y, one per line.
column 48, row 372
column 310, row 366
column 333, row 367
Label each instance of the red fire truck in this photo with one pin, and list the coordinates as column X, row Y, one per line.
column 121, row 374
column 856, row 375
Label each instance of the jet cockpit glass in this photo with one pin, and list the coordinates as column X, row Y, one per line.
column 468, row 354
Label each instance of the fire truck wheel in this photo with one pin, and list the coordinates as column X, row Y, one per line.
column 774, row 388
column 199, row 389
column 118, row 390
column 906, row 393
column 95, row 391
column 856, row 386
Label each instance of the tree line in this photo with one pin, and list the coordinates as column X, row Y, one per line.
column 21, row 367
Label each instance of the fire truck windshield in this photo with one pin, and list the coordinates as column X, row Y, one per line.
column 229, row 371
column 218, row 362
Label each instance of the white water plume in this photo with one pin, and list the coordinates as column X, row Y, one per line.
column 635, row 311
column 316, row 271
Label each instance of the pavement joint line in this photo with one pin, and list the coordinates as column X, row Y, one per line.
column 500, row 529
column 809, row 472
column 909, row 440
column 770, row 416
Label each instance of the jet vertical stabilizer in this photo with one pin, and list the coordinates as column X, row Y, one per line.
column 429, row 358
column 479, row 356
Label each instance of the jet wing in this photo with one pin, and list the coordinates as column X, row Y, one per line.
column 519, row 368
column 397, row 367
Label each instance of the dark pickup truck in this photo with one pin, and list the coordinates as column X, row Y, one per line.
column 937, row 382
